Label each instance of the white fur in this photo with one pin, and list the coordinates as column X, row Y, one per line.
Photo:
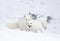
column 37, row 25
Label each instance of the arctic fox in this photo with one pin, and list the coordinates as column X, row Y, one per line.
column 29, row 22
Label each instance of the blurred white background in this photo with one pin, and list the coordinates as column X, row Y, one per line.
column 10, row 10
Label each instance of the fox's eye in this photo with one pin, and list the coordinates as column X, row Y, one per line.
column 30, row 23
column 27, row 19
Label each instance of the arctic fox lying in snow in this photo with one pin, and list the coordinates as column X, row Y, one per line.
column 30, row 22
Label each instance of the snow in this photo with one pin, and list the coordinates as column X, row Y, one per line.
column 10, row 10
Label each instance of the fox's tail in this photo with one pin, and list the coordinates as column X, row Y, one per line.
column 12, row 25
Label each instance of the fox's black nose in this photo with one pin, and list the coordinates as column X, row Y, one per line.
column 29, row 26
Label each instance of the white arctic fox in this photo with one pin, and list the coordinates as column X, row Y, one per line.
column 30, row 22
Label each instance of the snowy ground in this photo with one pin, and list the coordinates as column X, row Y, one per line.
column 10, row 10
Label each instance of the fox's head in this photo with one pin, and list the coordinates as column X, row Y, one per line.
column 30, row 19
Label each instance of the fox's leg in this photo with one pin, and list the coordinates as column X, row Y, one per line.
column 44, row 24
column 12, row 25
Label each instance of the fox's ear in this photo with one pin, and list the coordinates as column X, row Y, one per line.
column 24, row 16
column 29, row 13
